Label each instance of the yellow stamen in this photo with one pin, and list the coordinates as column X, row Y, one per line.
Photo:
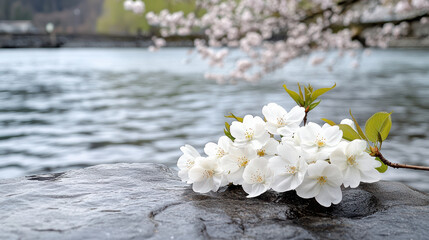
column 249, row 134
column 208, row 173
column 242, row 161
column 190, row 163
column 351, row 160
column 320, row 141
column 292, row 170
column 281, row 121
column 257, row 177
column 261, row 152
column 321, row 180
column 220, row 152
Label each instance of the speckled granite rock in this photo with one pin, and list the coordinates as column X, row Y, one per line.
column 148, row 201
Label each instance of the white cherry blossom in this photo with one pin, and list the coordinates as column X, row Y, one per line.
column 128, row 5
column 321, row 140
column 220, row 149
column 269, row 149
column 349, row 122
column 236, row 161
column 289, row 168
column 355, row 164
column 186, row 161
column 257, row 177
column 206, row 175
column 251, row 130
column 313, row 157
column 280, row 122
column 249, row 25
column 138, row 7
column 323, row 181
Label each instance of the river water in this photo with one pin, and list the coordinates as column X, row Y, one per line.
column 71, row 108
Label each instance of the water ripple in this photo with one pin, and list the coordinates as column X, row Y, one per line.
column 73, row 108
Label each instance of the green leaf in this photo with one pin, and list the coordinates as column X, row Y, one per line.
column 228, row 134
column 348, row 132
column 300, row 92
column 313, row 105
column 321, row 91
column 227, row 126
column 294, row 96
column 358, row 127
column 307, row 96
column 383, row 167
column 379, row 139
column 330, row 122
column 380, row 122
column 235, row 117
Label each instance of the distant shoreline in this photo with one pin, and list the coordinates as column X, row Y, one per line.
column 36, row 40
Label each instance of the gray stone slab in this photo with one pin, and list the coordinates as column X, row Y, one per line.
column 148, row 201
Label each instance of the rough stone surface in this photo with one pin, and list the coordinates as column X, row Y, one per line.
column 148, row 201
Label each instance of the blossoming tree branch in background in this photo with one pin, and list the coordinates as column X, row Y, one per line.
column 278, row 153
column 270, row 33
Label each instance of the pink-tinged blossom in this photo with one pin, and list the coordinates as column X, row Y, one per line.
column 252, row 24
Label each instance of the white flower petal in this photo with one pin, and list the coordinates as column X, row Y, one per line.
column 225, row 143
column 271, row 146
column 339, row 158
column 229, row 164
column 254, row 190
column 237, row 130
column 288, row 152
column 370, row 176
column 334, row 175
column 211, row 149
column 189, row 150
column 236, row 177
column 183, row 175
column 277, row 165
column 282, row 183
column 348, row 122
column 351, row 177
column 329, row 195
column 287, row 130
column 308, row 133
column 356, row 147
column 333, row 135
column 203, row 186
column 309, row 188
column 196, row 174
column 296, row 115
column 317, row 168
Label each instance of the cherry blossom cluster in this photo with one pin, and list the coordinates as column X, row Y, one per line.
column 279, row 154
column 270, row 33
column 137, row 6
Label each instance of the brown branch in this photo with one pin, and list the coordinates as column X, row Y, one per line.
column 305, row 116
column 399, row 165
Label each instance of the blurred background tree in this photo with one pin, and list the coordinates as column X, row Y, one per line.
column 115, row 19
column 79, row 16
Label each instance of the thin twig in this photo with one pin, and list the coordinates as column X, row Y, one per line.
column 305, row 117
column 399, row 165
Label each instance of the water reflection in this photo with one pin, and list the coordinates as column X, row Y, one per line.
column 72, row 108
